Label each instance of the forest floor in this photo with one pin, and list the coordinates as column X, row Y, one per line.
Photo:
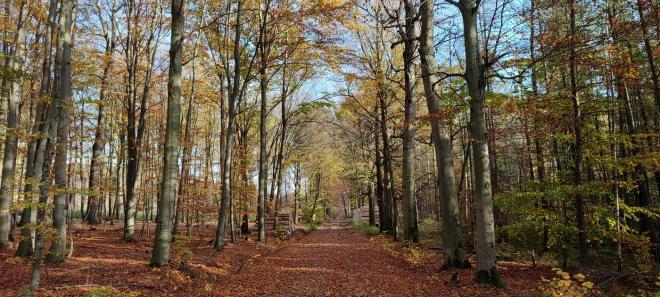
column 332, row 261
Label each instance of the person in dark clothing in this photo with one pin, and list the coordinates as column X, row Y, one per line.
column 245, row 229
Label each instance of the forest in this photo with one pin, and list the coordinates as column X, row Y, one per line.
column 329, row 148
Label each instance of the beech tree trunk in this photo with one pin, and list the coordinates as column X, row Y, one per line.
column 453, row 242
column 233, row 101
column 95, row 166
column 280, row 154
column 56, row 252
column 387, row 213
column 475, row 75
column 263, row 49
column 168, row 188
column 380, row 188
column 11, row 133
column 296, row 193
column 36, row 148
column 411, row 232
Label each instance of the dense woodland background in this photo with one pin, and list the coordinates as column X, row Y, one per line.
column 501, row 129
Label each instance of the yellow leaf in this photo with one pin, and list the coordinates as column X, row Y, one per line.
column 588, row 285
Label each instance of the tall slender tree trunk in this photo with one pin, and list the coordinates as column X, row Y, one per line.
column 56, row 252
column 577, row 133
column 234, row 99
column 538, row 148
column 95, row 166
column 411, row 232
column 161, row 250
column 452, row 235
column 296, row 193
column 263, row 88
column 280, row 154
column 43, row 158
column 36, row 149
column 475, row 74
column 131, row 149
column 387, row 213
column 187, row 146
column 380, row 188
column 11, row 133
column 135, row 124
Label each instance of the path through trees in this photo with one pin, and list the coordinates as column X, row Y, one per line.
column 332, row 261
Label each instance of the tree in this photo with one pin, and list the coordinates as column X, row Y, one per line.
column 44, row 118
column 578, row 149
column 160, row 254
column 136, row 48
column 15, row 62
column 475, row 75
column 95, row 167
column 233, row 101
column 263, row 49
column 408, row 183
column 56, row 252
column 452, row 235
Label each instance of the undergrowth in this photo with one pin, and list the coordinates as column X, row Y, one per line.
column 365, row 228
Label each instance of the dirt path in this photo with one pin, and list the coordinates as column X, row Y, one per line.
column 331, row 261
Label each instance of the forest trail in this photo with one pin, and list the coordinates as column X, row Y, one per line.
column 339, row 261
column 331, row 261
column 335, row 260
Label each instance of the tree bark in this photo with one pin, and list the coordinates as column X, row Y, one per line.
column 168, row 188
column 380, row 188
column 411, row 232
column 296, row 193
column 475, row 75
column 56, row 252
column 11, row 134
column 452, row 236
column 219, row 243
column 263, row 49
column 46, row 113
column 387, row 211
column 280, row 154
column 577, row 133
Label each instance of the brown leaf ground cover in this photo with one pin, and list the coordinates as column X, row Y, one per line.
column 333, row 261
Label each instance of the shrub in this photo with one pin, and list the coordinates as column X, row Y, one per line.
column 365, row 228
column 637, row 256
column 280, row 232
column 317, row 215
column 310, row 227
column 429, row 228
column 101, row 291
column 563, row 284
